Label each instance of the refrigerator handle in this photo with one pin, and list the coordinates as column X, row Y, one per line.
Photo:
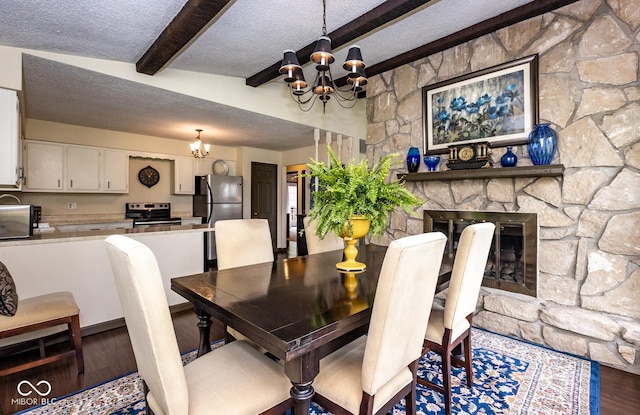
column 210, row 204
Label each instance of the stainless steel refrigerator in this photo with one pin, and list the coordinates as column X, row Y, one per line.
column 216, row 198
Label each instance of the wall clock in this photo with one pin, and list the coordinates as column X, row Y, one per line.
column 149, row 176
column 469, row 156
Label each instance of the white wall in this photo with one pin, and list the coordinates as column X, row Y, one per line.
column 81, row 266
column 11, row 68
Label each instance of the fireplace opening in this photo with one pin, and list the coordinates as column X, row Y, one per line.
column 512, row 262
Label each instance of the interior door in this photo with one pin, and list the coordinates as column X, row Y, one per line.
column 264, row 191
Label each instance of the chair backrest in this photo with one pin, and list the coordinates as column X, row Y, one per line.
column 146, row 313
column 401, row 307
column 315, row 245
column 468, row 271
column 241, row 242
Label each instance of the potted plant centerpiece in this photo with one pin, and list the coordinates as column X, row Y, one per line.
column 352, row 199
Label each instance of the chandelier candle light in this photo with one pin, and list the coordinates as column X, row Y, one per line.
column 323, row 86
column 196, row 147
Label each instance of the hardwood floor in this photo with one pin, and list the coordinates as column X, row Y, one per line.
column 109, row 355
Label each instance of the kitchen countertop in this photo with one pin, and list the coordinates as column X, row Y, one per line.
column 58, row 236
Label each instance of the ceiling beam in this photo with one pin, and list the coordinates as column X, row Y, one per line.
column 369, row 21
column 519, row 14
column 194, row 16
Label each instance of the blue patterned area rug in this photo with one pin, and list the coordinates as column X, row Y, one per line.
column 510, row 377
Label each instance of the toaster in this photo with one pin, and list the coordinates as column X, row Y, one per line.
column 16, row 221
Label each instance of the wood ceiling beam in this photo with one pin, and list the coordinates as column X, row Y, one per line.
column 519, row 14
column 185, row 26
column 369, row 21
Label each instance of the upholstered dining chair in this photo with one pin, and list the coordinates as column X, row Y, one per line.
column 216, row 383
column 374, row 372
column 241, row 242
column 315, row 245
column 451, row 325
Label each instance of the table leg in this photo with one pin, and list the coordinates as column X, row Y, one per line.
column 204, row 324
column 301, row 394
column 456, row 353
column 301, row 372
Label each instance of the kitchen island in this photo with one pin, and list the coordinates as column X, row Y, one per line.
column 77, row 262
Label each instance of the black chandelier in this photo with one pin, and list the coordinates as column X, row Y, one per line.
column 324, row 87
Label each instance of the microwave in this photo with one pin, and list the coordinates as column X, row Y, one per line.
column 16, row 221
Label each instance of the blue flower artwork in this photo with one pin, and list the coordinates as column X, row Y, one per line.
column 489, row 108
column 497, row 105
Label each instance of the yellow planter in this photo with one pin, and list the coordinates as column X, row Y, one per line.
column 360, row 228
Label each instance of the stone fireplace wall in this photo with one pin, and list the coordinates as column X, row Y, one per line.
column 589, row 252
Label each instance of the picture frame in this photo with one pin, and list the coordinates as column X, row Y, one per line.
column 497, row 105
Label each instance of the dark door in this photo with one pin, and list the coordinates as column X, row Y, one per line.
column 264, row 191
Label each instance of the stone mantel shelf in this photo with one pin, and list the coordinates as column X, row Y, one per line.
column 552, row 170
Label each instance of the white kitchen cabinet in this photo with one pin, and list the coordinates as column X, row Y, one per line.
column 57, row 167
column 184, row 176
column 9, row 141
column 116, row 171
column 44, row 166
column 83, row 169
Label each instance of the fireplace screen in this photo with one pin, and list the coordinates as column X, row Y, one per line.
column 512, row 262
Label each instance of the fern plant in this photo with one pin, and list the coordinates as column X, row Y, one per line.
column 354, row 189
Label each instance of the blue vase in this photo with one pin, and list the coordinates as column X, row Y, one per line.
column 413, row 159
column 542, row 144
column 431, row 162
column 508, row 159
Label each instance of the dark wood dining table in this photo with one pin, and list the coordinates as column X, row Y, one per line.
column 298, row 309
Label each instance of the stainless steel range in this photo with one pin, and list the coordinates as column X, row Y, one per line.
column 145, row 214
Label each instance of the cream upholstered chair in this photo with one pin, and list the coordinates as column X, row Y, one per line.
column 451, row 325
column 374, row 372
column 315, row 245
column 241, row 242
column 216, row 383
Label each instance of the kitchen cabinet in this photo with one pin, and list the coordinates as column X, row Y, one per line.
column 57, row 167
column 83, row 169
column 44, row 166
column 116, row 171
column 183, row 176
column 10, row 177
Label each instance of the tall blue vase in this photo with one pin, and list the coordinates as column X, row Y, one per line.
column 413, row 159
column 542, row 144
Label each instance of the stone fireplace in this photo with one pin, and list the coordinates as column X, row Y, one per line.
column 588, row 217
column 513, row 258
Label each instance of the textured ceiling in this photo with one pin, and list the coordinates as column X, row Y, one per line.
column 246, row 38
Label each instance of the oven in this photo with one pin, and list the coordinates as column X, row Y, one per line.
column 147, row 214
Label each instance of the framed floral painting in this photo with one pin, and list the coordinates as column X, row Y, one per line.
column 498, row 105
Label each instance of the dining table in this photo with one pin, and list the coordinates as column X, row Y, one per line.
column 297, row 309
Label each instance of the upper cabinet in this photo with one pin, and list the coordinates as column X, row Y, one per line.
column 56, row 167
column 9, row 141
column 184, row 176
column 83, row 169
column 116, row 171
column 44, row 170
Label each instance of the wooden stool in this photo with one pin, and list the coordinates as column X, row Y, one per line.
column 38, row 317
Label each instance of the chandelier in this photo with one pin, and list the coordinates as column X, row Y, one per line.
column 196, row 147
column 324, row 87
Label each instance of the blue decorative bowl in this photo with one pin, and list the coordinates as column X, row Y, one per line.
column 431, row 162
